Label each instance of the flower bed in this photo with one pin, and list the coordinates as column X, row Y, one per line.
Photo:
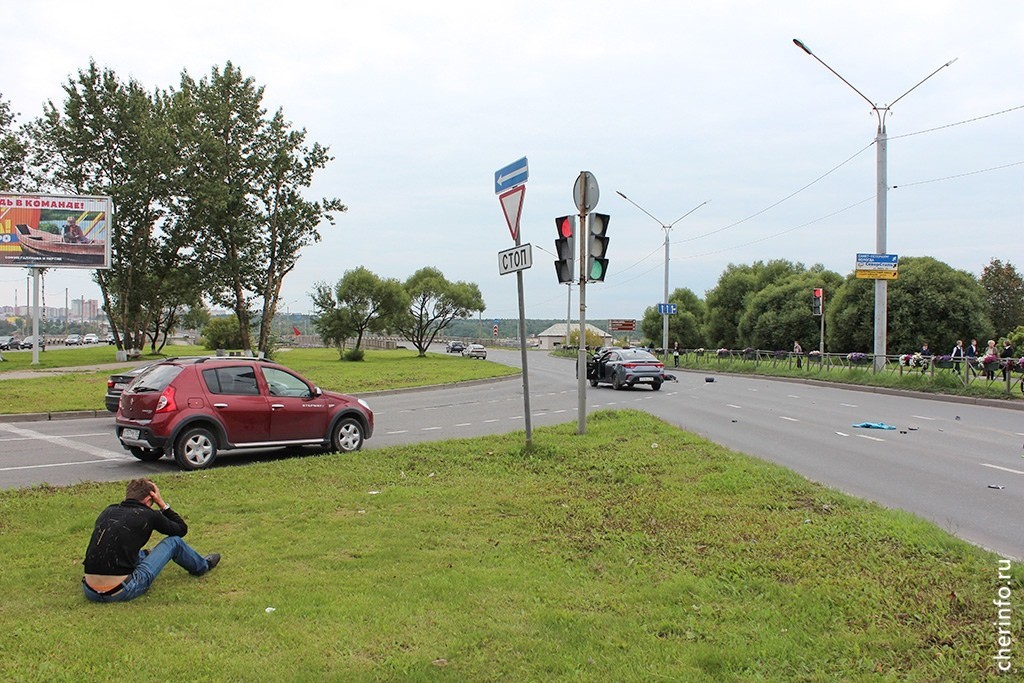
column 914, row 360
column 858, row 358
column 723, row 353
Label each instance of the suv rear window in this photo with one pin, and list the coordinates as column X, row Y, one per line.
column 236, row 381
column 156, row 378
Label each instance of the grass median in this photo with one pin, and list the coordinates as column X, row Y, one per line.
column 67, row 391
column 634, row 552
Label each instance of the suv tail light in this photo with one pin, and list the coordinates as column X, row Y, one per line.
column 165, row 404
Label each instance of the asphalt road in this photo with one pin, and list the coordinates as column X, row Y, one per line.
column 941, row 462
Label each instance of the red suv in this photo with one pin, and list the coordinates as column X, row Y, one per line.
column 195, row 407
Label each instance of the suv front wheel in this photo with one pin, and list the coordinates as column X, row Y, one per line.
column 347, row 435
column 195, row 449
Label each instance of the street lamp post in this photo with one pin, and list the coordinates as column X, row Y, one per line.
column 881, row 208
column 667, row 228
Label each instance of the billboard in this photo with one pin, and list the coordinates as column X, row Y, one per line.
column 55, row 231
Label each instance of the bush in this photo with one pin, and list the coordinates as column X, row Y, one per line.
column 354, row 355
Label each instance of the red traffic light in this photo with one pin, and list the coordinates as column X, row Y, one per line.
column 817, row 293
column 566, row 225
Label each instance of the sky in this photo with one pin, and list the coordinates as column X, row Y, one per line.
column 673, row 104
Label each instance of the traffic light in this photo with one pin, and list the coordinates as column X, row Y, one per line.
column 565, row 248
column 597, row 247
column 817, row 301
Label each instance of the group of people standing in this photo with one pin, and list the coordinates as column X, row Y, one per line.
column 991, row 353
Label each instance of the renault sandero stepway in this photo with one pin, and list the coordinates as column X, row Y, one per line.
column 194, row 408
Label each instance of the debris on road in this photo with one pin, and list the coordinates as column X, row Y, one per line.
column 873, row 425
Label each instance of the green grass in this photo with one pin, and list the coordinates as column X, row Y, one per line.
column 939, row 381
column 85, row 390
column 636, row 552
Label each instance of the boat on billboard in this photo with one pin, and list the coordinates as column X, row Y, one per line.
column 55, row 231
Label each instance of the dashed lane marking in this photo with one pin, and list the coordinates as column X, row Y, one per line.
column 922, row 417
column 843, row 434
column 872, row 438
column 733, row 405
column 848, row 405
column 791, row 419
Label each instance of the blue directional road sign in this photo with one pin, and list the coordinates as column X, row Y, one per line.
column 514, row 174
column 670, row 309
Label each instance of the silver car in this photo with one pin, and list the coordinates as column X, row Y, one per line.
column 625, row 368
column 475, row 351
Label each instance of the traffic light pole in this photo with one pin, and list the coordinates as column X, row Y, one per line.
column 581, row 356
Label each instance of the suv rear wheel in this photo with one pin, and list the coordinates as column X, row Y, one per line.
column 347, row 435
column 195, row 449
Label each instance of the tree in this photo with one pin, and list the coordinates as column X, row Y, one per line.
column 685, row 327
column 930, row 302
column 1004, row 287
column 113, row 138
column 13, row 152
column 727, row 302
column 361, row 302
column 243, row 189
column 434, row 303
column 222, row 333
column 779, row 313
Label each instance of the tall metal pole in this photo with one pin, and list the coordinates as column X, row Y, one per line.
column 581, row 355
column 881, row 192
column 522, row 351
column 664, row 317
column 667, row 228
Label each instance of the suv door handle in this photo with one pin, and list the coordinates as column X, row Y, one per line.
column 220, row 405
column 276, row 406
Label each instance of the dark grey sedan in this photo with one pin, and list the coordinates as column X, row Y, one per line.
column 625, row 368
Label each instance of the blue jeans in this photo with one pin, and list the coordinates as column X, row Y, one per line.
column 171, row 548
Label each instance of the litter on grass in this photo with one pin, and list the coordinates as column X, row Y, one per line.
column 873, row 425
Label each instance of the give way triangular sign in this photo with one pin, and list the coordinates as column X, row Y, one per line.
column 512, row 205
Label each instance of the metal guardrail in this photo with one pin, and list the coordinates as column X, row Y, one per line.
column 967, row 370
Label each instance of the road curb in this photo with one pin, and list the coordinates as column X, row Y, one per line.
column 47, row 417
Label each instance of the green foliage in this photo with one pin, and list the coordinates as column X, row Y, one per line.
column 1004, row 288
column 434, row 303
column 780, row 312
column 686, row 327
column 355, row 354
column 13, row 152
column 361, row 302
column 223, row 333
column 728, row 300
column 930, row 302
column 593, row 339
column 477, row 560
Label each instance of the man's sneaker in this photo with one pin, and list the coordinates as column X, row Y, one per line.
column 212, row 560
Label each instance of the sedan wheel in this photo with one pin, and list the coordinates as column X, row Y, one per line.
column 347, row 436
column 616, row 382
column 195, row 449
column 656, row 385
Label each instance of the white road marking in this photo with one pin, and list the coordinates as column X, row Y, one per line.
column 997, row 467
column 842, row 434
column 55, row 464
column 733, row 405
column 65, row 442
column 848, row 405
column 791, row 419
column 922, row 417
column 792, row 396
column 398, row 431
column 563, row 410
column 430, row 429
column 464, row 424
column 873, row 438
column 516, row 417
column 490, row 421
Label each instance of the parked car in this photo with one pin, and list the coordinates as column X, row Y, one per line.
column 91, row 339
column 118, row 382
column 475, row 351
column 8, row 342
column 73, row 340
column 454, row 347
column 30, row 341
column 194, row 408
column 109, row 339
column 625, row 368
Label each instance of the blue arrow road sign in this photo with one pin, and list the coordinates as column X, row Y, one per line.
column 669, row 309
column 514, row 174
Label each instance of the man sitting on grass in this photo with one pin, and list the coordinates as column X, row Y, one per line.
column 117, row 569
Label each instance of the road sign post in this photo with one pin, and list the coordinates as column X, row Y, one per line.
column 585, row 194
column 510, row 188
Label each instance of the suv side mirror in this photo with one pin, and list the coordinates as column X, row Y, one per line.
column 317, row 392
